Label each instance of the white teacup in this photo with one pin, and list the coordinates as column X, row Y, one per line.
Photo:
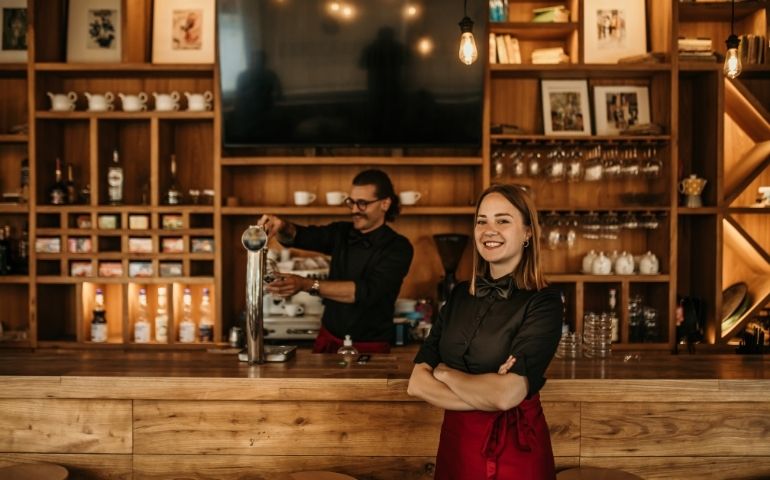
column 335, row 198
column 293, row 309
column 166, row 102
column 98, row 102
column 304, row 198
column 133, row 103
column 198, row 102
column 62, row 102
column 410, row 197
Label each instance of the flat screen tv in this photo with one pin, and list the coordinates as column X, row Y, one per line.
column 369, row 73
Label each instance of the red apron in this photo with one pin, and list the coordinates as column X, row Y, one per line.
column 325, row 342
column 510, row 445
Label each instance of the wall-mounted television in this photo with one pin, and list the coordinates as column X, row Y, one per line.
column 369, row 73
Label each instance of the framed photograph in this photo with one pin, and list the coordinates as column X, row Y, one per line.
column 13, row 47
column 94, row 31
column 613, row 29
column 618, row 107
column 183, row 31
column 565, row 107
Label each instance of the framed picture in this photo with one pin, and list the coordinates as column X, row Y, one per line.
column 183, row 31
column 94, row 31
column 613, row 29
column 13, row 47
column 618, row 107
column 565, row 107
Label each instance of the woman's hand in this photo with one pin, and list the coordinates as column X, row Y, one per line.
column 507, row 365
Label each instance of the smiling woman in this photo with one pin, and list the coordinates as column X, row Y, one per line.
column 486, row 356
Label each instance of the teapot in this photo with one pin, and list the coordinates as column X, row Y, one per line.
column 133, row 103
column 62, row 102
column 588, row 261
column 198, row 102
column 602, row 265
column 692, row 187
column 166, row 102
column 624, row 264
column 648, row 264
column 99, row 102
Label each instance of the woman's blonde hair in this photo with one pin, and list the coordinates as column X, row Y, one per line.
column 528, row 274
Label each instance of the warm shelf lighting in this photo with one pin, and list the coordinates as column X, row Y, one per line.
column 733, row 65
column 468, row 51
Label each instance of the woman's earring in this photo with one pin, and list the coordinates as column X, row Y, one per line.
column 526, row 243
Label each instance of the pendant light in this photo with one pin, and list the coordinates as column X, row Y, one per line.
column 468, row 51
column 733, row 65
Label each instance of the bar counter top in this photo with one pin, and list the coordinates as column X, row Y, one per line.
column 626, row 376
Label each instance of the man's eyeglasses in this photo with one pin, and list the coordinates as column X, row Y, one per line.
column 361, row 204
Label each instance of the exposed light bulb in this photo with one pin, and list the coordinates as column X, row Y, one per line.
column 468, row 51
column 733, row 65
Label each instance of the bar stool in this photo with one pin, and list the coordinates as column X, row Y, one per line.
column 319, row 476
column 34, row 471
column 591, row 473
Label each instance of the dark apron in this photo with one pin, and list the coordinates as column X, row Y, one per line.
column 510, row 445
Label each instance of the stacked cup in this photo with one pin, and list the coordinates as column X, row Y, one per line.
column 597, row 335
column 569, row 346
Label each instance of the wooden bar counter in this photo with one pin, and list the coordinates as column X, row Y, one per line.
column 115, row 414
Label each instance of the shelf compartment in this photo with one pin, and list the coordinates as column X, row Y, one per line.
column 68, row 141
column 14, row 297
column 113, row 306
column 655, row 300
column 132, row 141
column 13, row 98
column 57, row 311
column 192, row 143
column 698, row 253
column 718, row 11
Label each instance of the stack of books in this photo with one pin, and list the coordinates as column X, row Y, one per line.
column 549, row 56
column 752, row 49
column 699, row 49
column 555, row 14
column 504, row 48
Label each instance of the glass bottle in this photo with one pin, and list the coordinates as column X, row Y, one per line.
column 187, row 325
column 161, row 317
column 22, row 256
column 24, row 181
column 613, row 314
column 57, row 194
column 99, row 321
column 174, row 195
column 115, row 180
column 206, row 325
column 142, row 325
column 347, row 347
column 5, row 253
column 72, row 192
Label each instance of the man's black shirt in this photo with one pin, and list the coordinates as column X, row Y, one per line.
column 376, row 261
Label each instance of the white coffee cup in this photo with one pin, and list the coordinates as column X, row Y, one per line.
column 198, row 102
column 62, row 102
column 293, row 309
column 410, row 197
column 99, row 102
column 166, row 102
column 335, row 198
column 133, row 103
column 304, row 198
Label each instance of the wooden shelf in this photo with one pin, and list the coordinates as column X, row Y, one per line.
column 578, row 138
column 56, row 280
column 121, row 67
column 534, row 31
column 13, row 208
column 577, row 70
column 584, row 278
column 718, row 11
column 13, row 279
column 13, row 67
column 14, row 138
column 695, row 66
column 130, row 256
column 85, row 115
column 752, row 210
column 340, row 211
column 331, row 161
column 81, row 232
column 698, row 211
column 602, row 208
column 138, row 209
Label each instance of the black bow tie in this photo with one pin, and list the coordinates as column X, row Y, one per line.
column 355, row 237
column 501, row 288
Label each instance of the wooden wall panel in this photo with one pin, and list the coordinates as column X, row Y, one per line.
column 665, row 429
column 687, row 468
column 80, row 466
column 65, row 426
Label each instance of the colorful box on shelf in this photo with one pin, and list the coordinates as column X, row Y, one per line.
column 202, row 245
column 110, row 269
column 555, row 14
column 83, row 221
column 172, row 245
column 79, row 245
column 81, row 269
column 107, row 222
column 172, row 222
column 170, row 269
column 138, row 222
column 48, row 245
column 140, row 245
column 140, row 269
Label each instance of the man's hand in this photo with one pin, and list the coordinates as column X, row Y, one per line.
column 286, row 285
column 507, row 365
column 273, row 225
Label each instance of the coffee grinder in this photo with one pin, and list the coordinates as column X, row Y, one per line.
column 450, row 248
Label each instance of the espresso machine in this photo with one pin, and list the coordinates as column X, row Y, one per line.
column 254, row 240
column 450, row 248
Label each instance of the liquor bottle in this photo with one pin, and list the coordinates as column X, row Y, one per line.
column 5, row 253
column 72, row 192
column 22, row 255
column 10, row 249
column 206, row 326
column 99, row 322
column 161, row 317
column 24, row 181
column 57, row 194
column 613, row 314
column 187, row 325
column 142, row 325
column 173, row 195
column 115, row 180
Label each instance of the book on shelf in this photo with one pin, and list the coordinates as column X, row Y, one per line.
column 504, row 49
column 512, row 46
column 555, row 14
column 549, row 56
column 689, row 44
column 492, row 48
column 649, row 57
